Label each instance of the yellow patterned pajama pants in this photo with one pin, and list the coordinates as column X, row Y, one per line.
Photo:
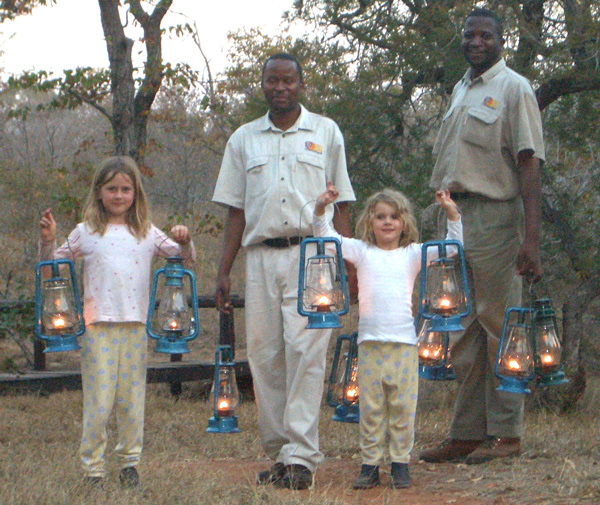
column 389, row 385
column 113, row 372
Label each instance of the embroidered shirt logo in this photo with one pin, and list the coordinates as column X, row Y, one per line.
column 490, row 102
column 315, row 148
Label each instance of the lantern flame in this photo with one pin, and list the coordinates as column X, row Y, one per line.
column 445, row 303
column 323, row 300
column 513, row 364
column 352, row 393
column 59, row 322
column 547, row 359
column 431, row 354
column 223, row 405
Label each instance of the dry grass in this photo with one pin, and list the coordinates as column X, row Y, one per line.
column 39, row 464
column 182, row 465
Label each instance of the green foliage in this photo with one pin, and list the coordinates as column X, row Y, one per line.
column 75, row 87
column 180, row 76
column 573, row 121
column 10, row 9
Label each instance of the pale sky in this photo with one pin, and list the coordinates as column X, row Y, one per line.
column 70, row 34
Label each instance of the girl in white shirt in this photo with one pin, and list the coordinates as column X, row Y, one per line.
column 117, row 242
column 387, row 258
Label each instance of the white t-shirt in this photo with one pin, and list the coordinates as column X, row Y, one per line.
column 385, row 283
column 116, row 269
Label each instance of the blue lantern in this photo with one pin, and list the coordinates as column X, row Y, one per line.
column 515, row 364
column 529, row 349
column 433, row 347
column 343, row 392
column 548, row 351
column 224, row 395
column 322, row 289
column 170, row 321
column 58, row 314
column 444, row 300
column 444, row 290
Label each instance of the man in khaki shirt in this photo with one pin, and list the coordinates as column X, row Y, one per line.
column 489, row 151
column 272, row 172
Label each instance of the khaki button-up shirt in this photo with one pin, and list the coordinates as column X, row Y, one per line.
column 490, row 120
column 275, row 176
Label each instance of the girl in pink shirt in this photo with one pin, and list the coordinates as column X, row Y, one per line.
column 116, row 242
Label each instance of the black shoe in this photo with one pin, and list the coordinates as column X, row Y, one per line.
column 367, row 478
column 296, row 477
column 129, row 477
column 272, row 475
column 399, row 476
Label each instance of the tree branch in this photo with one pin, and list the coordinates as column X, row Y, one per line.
column 566, row 84
column 91, row 102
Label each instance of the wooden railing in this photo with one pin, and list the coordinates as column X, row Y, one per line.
column 174, row 372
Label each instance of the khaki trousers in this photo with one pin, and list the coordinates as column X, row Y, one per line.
column 493, row 233
column 287, row 361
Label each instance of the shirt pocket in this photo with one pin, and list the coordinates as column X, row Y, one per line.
column 481, row 127
column 257, row 176
column 309, row 174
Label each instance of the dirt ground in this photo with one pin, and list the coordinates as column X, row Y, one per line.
column 497, row 483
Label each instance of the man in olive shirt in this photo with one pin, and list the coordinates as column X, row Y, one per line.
column 489, row 151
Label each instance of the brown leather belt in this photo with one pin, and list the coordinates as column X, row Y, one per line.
column 282, row 242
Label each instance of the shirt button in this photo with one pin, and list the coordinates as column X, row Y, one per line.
column 285, row 222
column 283, row 200
column 283, row 178
column 283, row 157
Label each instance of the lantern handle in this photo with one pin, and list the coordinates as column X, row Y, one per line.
column 435, row 206
column 300, row 218
column 532, row 291
column 54, row 266
column 535, row 287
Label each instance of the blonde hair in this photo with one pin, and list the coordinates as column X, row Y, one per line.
column 401, row 204
column 94, row 213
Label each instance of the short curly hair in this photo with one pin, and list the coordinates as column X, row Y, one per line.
column 402, row 205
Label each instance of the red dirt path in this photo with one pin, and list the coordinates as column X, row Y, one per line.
column 431, row 484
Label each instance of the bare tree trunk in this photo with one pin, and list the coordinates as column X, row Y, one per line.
column 131, row 110
column 121, row 77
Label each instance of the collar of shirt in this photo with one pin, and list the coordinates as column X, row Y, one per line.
column 487, row 76
column 304, row 122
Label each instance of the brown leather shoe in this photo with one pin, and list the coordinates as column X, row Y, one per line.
column 450, row 450
column 493, row 448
